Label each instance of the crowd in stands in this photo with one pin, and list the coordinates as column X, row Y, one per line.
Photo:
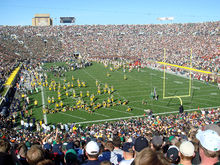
column 188, row 138
column 146, row 42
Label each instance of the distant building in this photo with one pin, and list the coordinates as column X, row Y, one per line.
column 42, row 20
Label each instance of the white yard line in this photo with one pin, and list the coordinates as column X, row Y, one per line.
column 43, row 103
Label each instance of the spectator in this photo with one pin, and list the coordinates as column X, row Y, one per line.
column 22, row 153
column 148, row 157
column 108, row 154
column 156, row 143
column 209, row 145
column 5, row 157
column 128, row 154
column 117, row 145
column 92, row 152
column 173, row 155
column 187, row 152
column 45, row 162
column 139, row 144
column 34, row 155
column 71, row 157
column 105, row 163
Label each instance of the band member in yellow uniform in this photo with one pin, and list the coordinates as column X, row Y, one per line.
column 57, row 105
column 125, row 102
column 52, row 99
column 129, row 109
column 79, row 85
column 48, row 100
column 112, row 98
column 35, row 102
column 106, row 85
column 105, row 90
column 109, row 91
column 83, row 84
column 112, row 88
column 59, row 97
column 81, row 94
column 109, row 100
column 61, row 104
column 104, row 104
column 99, row 90
column 92, row 97
column 67, row 93
column 74, row 93
column 87, row 94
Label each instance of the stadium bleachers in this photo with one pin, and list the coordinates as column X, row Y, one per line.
column 145, row 42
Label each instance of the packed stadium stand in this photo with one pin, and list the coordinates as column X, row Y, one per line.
column 172, row 139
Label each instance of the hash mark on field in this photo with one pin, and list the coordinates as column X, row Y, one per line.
column 165, row 78
column 214, row 94
column 153, row 74
column 178, row 82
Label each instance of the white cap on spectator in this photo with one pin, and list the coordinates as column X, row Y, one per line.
column 209, row 139
column 187, row 148
column 92, row 148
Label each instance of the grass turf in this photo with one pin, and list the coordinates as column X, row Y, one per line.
column 137, row 87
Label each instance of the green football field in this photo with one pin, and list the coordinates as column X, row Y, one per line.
column 137, row 87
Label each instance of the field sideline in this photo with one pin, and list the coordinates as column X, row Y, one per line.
column 137, row 87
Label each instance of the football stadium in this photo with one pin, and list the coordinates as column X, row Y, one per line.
column 109, row 93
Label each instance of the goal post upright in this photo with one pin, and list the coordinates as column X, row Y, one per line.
column 164, row 78
column 190, row 77
column 164, row 73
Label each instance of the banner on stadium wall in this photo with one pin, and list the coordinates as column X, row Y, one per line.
column 12, row 77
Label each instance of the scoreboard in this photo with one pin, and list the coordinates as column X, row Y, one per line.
column 67, row 19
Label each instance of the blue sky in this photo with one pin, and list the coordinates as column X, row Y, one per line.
column 20, row 12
